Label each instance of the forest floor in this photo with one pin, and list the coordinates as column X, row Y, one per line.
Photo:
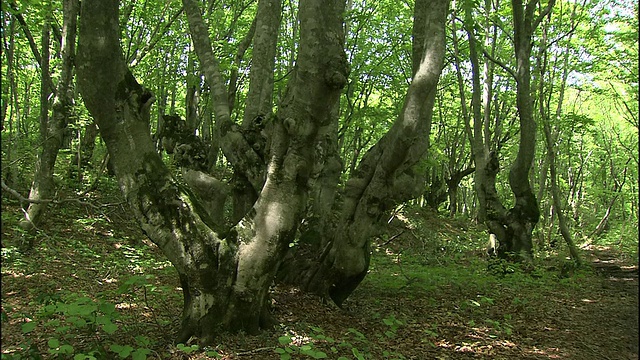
column 95, row 286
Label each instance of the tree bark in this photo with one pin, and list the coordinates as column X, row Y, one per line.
column 384, row 177
column 43, row 186
column 513, row 228
column 523, row 216
column 225, row 280
column 259, row 105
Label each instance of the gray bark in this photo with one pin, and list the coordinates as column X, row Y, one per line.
column 384, row 177
column 258, row 105
column 513, row 228
column 234, row 146
column 225, row 280
column 259, row 97
column 523, row 216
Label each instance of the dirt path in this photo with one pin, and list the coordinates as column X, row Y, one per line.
column 620, row 285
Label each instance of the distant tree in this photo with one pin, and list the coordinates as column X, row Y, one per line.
column 511, row 228
column 53, row 129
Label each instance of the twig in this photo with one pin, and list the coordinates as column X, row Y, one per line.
column 392, row 238
column 146, row 301
column 23, row 199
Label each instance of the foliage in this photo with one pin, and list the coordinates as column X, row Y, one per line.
column 74, row 316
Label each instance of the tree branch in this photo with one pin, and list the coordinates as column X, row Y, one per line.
column 145, row 50
column 23, row 199
column 489, row 56
column 544, row 13
column 242, row 48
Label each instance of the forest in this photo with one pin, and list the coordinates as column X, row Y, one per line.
column 340, row 179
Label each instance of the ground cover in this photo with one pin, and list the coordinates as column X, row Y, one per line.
column 95, row 287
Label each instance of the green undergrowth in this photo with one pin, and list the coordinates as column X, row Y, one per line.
column 95, row 288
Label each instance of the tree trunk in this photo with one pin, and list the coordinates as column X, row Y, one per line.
column 383, row 178
column 513, row 228
column 43, row 186
column 523, row 216
column 225, row 280
column 84, row 154
column 551, row 138
column 193, row 94
column 13, row 99
column 259, row 104
column 8, row 46
column 453, row 182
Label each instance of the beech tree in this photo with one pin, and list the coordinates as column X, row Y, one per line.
column 226, row 271
column 511, row 228
column 332, row 262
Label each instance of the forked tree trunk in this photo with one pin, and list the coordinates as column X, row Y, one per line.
column 513, row 228
column 225, row 280
column 43, row 186
column 383, row 178
column 523, row 216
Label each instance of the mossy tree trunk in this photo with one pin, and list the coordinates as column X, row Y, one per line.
column 225, row 277
column 334, row 266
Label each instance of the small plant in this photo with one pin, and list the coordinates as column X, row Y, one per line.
column 289, row 348
column 500, row 327
column 393, row 325
column 187, row 349
column 76, row 314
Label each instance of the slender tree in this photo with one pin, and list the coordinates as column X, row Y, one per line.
column 53, row 130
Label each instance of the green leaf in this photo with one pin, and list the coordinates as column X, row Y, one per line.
column 122, row 351
column 78, row 322
column 213, row 354
column 53, row 343
column 280, row 351
column 63, row 329
column 285, row 356
column 284, row 340
column 140, row 354
column 142, row 340
column 49, row 309
column 110, row 328
column 319, row 355
column 66, row 349
column 107, row 308
column 28, row 327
